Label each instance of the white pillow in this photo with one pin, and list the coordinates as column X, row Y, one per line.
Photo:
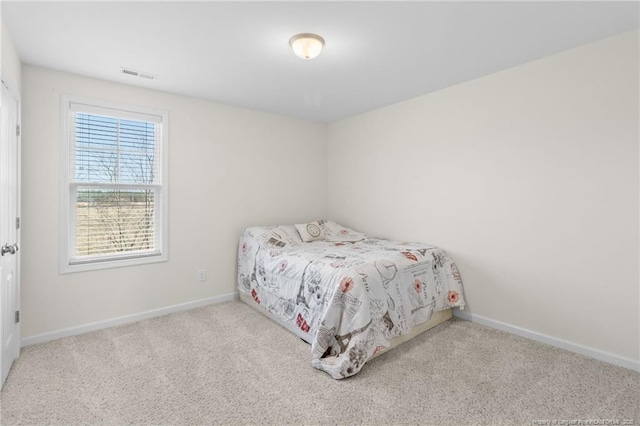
column 312, row 231
column 339, row 233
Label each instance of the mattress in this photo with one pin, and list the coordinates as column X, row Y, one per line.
column 350, row 295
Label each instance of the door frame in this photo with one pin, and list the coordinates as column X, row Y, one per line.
column 14, row 92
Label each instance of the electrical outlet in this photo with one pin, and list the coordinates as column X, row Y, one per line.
column 202, row 275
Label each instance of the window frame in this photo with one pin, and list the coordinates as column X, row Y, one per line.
column 69, row 187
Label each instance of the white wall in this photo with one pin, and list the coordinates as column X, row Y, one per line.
column 528, row 177
column 228, row 168
column 10, row 64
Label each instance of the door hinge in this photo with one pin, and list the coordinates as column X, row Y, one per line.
column 17, row 130
column 17, row 223
column 17, row 317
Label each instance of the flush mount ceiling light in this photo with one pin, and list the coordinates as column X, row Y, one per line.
column 306, row 45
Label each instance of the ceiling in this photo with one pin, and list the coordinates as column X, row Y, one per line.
column 237, row 53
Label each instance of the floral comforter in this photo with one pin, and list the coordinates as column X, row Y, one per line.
column 348, row 294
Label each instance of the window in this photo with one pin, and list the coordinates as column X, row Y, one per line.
column 114, row 197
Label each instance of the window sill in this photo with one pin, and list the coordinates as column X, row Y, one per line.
column 66, row 268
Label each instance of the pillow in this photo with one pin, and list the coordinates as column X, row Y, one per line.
column 339, row 233
column 312, row 231
column 287, row 234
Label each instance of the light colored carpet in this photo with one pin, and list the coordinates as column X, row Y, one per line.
column 227, row 364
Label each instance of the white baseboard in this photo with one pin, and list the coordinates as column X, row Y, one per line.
column 543, row 338
column 46, row 337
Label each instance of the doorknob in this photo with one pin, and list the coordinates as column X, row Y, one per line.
column 11, row 249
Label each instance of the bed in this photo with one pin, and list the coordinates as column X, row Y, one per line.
column 350, row 295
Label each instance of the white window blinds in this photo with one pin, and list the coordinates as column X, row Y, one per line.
column 115, row 184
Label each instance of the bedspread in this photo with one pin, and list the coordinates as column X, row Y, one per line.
column 348, row 294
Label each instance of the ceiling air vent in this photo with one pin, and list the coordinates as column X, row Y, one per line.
column 140, row 74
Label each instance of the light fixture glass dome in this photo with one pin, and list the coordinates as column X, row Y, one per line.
column 306, row 45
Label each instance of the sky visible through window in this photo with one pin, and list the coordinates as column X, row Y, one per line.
column 113, row 150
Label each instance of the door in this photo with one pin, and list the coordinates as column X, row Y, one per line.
column 9, row 230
